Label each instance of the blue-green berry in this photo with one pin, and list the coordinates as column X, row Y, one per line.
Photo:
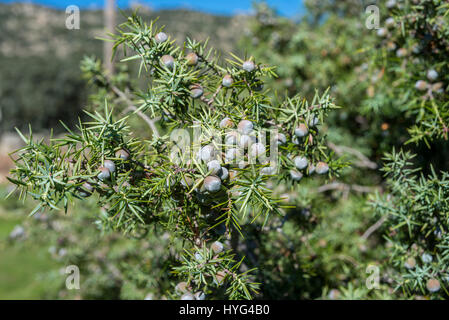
column 301, row 162
column 249, row 66
column 104, row 173
column 110, row 165
column 161, row 37
column 212, row 184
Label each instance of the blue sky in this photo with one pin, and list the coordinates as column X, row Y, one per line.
column 227, row 7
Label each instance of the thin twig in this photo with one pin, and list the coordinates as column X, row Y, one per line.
column 374, row 227
column 363, row 162
column 131, row 106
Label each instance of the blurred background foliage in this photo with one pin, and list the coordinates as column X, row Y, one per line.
column 324, row 247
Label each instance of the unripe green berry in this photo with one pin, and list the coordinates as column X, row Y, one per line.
column 433, row 285
column 226, row 123
column 217, row 247
column 104, row 173
column 301, row 130
column 227, row 81
column 321, row 168
column 196, row 91
column 245, row 127
column 296, row 175
column 192, row 59
column 249, row 66
column 122, row 154
column 168, row 61
column 110, row 165
column 301, row 162
column 161, row 37
column 212, row 184
column 257, row 85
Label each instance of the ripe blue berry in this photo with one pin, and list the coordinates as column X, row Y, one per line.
column 421, row 85
column 226, row 123
column 257, row 149
column 268, row 170
column 426, row 258
column 231, row 138
column 217, row 247
column 301, row 130
column 281, row 139
column 311, row 169
column 390, row 22
column 200, row 295
column 192, row 59
column 87, row 190
column 196, row 91
column 227, row 81
column 122, row 154
column 321, row 168
column 187, row 296
column 207, row 153
column 223, row 173
column 110, row 165
column 410, row 263
column 301, row 162
column 433, row 285
column 296, row 175
column 161, row 37
column 432, row 75
column 245, row 127
column 214, row 166
column 104, row 173
column 221, row 275
column 314, row 121
column 249, row 66
column 187, row 181
column 401, row 52
column 181, row 287
column 382, row 32
column 245, row 141
column 232, row 154
column 168, row 61
column 212, row 184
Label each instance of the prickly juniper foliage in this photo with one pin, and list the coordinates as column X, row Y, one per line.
column 219, row 146
column 416, row 209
